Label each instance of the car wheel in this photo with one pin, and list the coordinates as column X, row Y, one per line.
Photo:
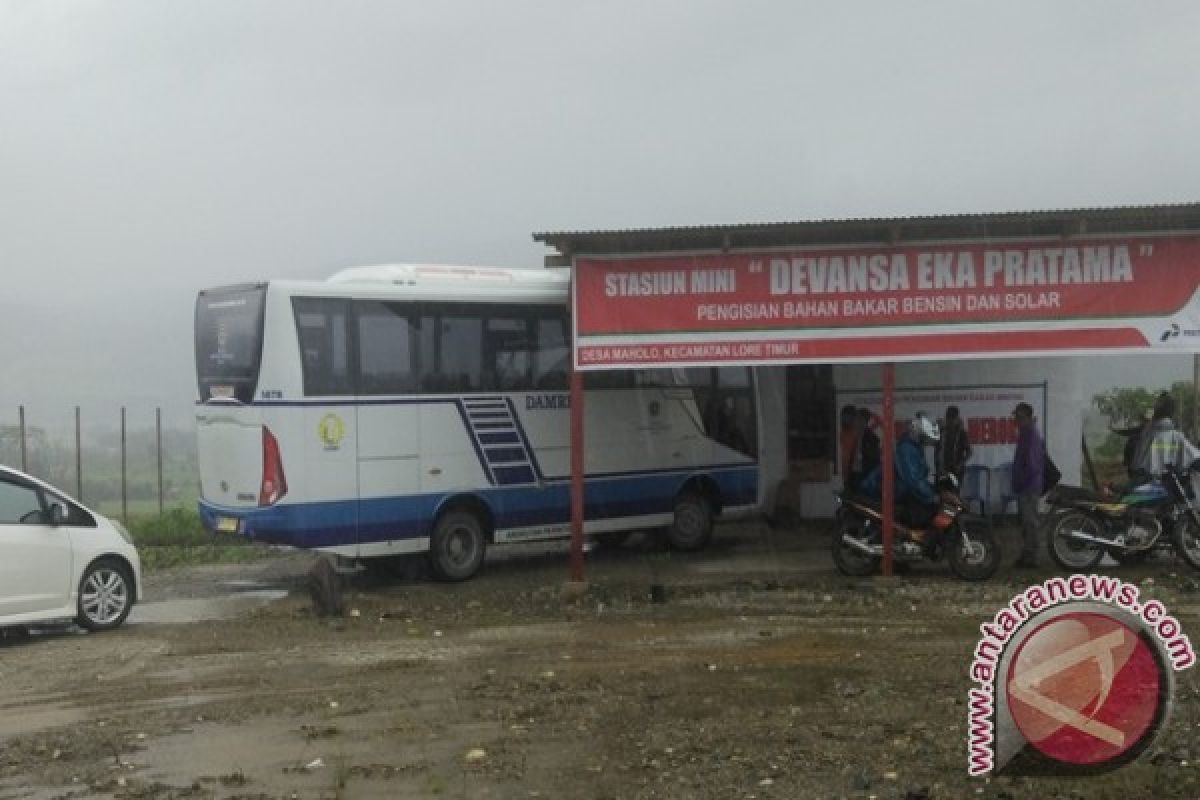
column 105, row 596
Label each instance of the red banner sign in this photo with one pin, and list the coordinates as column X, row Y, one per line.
column 965, row 299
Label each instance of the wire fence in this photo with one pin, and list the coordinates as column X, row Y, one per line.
column 129, row 464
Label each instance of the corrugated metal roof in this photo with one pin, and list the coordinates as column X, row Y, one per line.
column 1113, row 219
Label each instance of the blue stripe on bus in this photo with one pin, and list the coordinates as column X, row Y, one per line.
column 506, row 476
column 506, row 455
column 380, row 519
column 499, row 438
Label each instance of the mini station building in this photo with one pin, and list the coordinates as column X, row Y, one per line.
column 980, row 311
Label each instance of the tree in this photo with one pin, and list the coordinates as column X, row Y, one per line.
column 1125, row 406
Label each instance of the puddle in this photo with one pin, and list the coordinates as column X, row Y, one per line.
column 196, row 609
column 280, row 755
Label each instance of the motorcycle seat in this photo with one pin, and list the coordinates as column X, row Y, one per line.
column 902, row 515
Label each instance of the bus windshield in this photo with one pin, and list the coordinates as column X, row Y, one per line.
column 229, row 333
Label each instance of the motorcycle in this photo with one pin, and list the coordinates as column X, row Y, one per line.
column 1158, row 515
column 858, row 541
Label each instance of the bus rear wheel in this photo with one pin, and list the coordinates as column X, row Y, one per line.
column 457, row 546
column 693, row 524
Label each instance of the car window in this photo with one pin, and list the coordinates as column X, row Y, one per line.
column 77, row 517
column 19, row 505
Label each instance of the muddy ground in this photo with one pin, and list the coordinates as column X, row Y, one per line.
column 763, row 675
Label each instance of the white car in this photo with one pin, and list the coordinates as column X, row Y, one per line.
column 58, row 560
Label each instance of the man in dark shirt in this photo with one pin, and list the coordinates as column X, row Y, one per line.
column 1027, row 480
column 954, row 449
column 866, row 450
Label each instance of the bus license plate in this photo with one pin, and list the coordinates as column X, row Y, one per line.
column 227, row 525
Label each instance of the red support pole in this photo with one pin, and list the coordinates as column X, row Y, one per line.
column 889, row 448
column 576, row 475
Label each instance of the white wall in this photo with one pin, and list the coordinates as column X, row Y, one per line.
column 1065, row 402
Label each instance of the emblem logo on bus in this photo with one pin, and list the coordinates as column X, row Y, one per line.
column 331, row 429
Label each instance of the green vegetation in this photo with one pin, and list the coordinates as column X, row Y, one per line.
column 1125, row 407
column 177, row 527
column 178, row 538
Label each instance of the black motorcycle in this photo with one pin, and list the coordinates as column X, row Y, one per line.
column 968, row 547
column 1155, row 515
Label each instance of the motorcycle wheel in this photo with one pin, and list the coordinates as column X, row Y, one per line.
column 1187, row 541
column 1072, row 555
column 846, row 558
column 973, row 554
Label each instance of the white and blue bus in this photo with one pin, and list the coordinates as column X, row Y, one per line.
column 406, row 409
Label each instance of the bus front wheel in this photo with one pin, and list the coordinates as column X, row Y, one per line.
column 457, row 546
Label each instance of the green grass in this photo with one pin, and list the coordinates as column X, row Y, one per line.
column 178, row 538
column 166, row 556
column 142, row 507
column 176, row 526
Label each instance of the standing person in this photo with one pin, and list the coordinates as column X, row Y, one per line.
column 1132, row 438
column 1162, row 446
column 866, row 450
column 954, row 449
column 847, row 440
column 1027, row 480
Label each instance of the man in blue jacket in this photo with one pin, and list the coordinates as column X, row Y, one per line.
column 912, row 490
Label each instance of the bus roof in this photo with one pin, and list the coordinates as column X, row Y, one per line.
column 433, row 274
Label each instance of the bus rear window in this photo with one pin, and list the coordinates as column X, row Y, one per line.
column 229, row 333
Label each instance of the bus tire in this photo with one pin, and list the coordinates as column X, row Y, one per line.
column 692, row 527
column 457, row 546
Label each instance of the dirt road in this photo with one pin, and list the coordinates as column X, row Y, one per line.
column 764, row 675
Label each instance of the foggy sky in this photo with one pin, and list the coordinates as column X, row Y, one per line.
column 151, row 148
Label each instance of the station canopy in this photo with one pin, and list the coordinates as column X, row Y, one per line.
column 1071, row 282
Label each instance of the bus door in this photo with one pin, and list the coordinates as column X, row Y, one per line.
column 453, row 414
column 389, row 424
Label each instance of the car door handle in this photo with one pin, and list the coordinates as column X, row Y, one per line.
column 435, row 471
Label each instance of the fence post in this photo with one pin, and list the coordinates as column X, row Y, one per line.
column 24, row 459
column 158, row 449
column 124, row 490
column 78, row 459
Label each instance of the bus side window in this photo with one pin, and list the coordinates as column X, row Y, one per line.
column 508, row 352
column 551, row 354
column 459, row 353
column 385, row 345
column 322, row 329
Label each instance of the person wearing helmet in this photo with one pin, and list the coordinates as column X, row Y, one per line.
column 913, row 491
